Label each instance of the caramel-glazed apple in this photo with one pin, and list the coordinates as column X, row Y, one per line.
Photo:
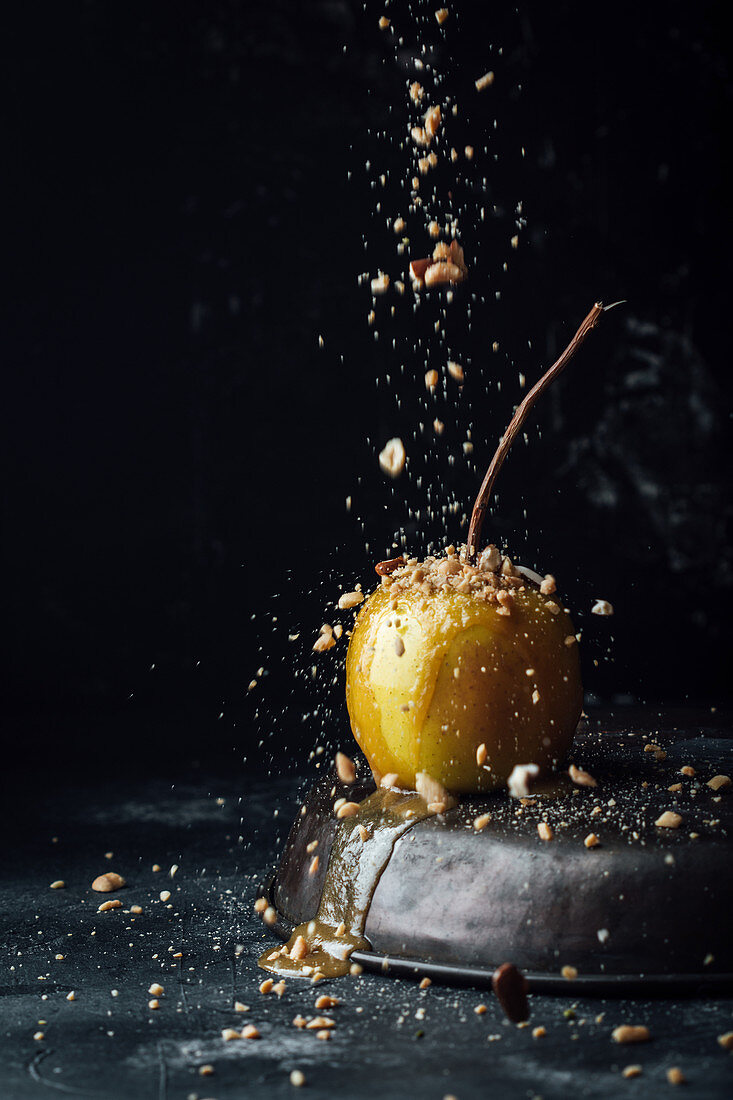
column 464, row 666
column 462, row 671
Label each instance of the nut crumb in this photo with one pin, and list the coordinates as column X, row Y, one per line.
column 156, row 990
column 481, row 822
column 481, row 754
column 250, row 1032
column 718, row 782
column 153, row 1004
column 632, row 1071
column 348, row 809
column 539, row 1032
column 426, row 983
column 570, row 973
column 266, row 986
column 545, row 831
column 675, row 1076
column 58, row 884
column 441, row 15
column 591, row 841
column 297, row 1078
column 602, row 607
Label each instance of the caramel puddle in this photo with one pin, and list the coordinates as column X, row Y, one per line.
column 354, row 869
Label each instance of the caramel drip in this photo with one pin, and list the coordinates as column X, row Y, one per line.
column 354, row 869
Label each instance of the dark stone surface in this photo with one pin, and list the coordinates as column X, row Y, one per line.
column 224, row 830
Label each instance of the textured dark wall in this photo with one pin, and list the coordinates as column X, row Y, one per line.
column 177, row 447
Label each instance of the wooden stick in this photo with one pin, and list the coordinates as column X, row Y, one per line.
column 484, row 493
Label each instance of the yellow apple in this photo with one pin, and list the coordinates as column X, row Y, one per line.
column 431, row 676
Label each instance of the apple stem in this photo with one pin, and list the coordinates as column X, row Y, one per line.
column 520, row 415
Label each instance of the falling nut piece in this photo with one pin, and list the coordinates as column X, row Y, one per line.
column 433, row 793
column 392, row 457
column 718, row 782
column 602, row 607
column 347, row 600
column 580, row 777
column 345, row 768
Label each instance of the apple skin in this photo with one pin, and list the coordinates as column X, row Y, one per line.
column 461, row 682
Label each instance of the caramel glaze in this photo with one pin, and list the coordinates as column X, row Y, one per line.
column 354, row 869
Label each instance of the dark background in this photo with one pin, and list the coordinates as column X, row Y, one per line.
column 180, row 229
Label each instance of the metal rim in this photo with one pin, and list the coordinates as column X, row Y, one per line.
column 591, row 985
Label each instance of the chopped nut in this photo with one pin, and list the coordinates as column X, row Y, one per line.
column 545, row 831
column 480, row 1009
column 383, row 22
column 591, row 841
column 481, row 754
column 320, row 1022
column 630, row 1033
column 539, row 1032
column 688, row 771
column 455, row 370
column 38, row 1036
column 314, row 865
column 250, row 1032
column 425, row 983
column 71, row 996
column 570, row 640
column 510, row 988
column 520, row 779
column 675, row 1076
column 669, row 820
column 581, row 778
column 484, row 81
column 266, row 986
column 468, row 152
column 718, row 782
column 58, row 884
column 392, row 457
column 441, row 15
column 324, row 1035
column 324, row 1001
column 431, row 379
column 297, row 1078
column 443, row 272
column 602, row 607
column 675, row 788
column 432, row 792
column 481, row 822
column 416, row 92
column 347, row 600
column 569, row 973
column 323, row 642
column 632, row 1071
column 363, row 832
column 156, row 989
column 548, row 585
column 105, row 884
column 389, row 780
column 107, row 905
column 347, row 810
column 438, row 426
column 270, row 915
column 726, row 1040
column 165, row 895
column 239, row 1007
column 432, row 121
column 380, row 284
